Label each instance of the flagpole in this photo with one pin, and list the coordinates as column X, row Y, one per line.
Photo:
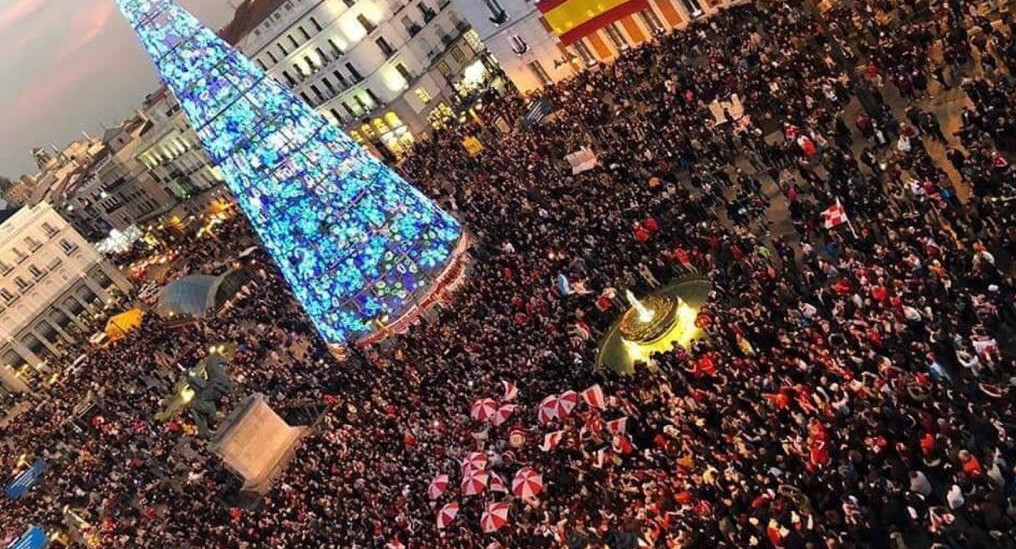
column 847, row 217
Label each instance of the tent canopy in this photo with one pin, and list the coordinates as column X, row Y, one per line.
column 121, row 324
column 200, row 296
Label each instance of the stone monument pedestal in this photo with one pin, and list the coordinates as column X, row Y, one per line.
column 256, row 443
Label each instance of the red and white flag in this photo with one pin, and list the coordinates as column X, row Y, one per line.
column 551, row 440
column 593, row 396
column 618, row 426
column 511, row 391
column 834, row 215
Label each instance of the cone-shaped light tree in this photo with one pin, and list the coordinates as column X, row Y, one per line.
column 358, row 245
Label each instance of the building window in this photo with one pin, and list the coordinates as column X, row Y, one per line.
column 366, row 23
column 348, row 109
column 497, row 14
column 693, row 7
column 342, row 79
column 541, row 74
column 651, row 20
column 7, row 296
column 353, row 72
column 35, row 272
column 5, row 268
column 32, row 244
column 49, row 229
column 361, row 104
column 428, row 13
column 68, row 247
column 349, row 2
column 19, row 256
column 322, row 58
column 423, row 96
column 306, row 99
column 404, row 72
column 411, row 27
column 262, row 65
column 304, row 33
column 616, row 37
column 373, row 97
column 336, row 50
column 317, row 26
column 289, row 78
column 587, row 56
column 310, row 64
column 293, row 41
column 336, row 115
column 273, row 58
column 519, row 45
column 328, row 84
column 22, row 284
column 385, row 47
column 316, row 91
column 283, row 50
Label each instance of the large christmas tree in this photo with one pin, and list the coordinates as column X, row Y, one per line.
column 357, row 244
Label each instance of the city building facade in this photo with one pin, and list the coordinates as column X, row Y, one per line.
column 386, row 71
column 52, row 281
column 539, row 43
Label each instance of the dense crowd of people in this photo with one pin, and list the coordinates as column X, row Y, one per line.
column 854, row 388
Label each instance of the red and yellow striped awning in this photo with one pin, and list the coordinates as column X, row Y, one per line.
column 574, row 19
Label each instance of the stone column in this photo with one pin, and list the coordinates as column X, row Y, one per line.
column 74, row 318
column 95, row 287
column 46, row 343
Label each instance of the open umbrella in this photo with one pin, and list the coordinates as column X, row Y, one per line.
column 547, row 411
column 446, row 515
column 437, row 487
column 527, row 484
column 566, row 403
column 475, row 483
column 474, row 461
column 502, row 414
column 494, row 518
column 497, row 484
column 483, row 409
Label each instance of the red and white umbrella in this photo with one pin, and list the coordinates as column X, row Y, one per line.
column 483, row 409
column 495, row 517
column 511, row 391
column 446, row 516
column 497, row 484
column 437, row 487
column 475, row 483
column 547, row 411
column 527, row 484
column 502, row 414
column 566, row 403
column 474, row 461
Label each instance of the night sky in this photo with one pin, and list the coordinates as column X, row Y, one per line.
column 68, row 66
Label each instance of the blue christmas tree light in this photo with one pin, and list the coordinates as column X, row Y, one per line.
column 357, row 244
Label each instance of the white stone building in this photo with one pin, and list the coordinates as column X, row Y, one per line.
column 385, row 70
column 51, row 282
column 519, row 37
